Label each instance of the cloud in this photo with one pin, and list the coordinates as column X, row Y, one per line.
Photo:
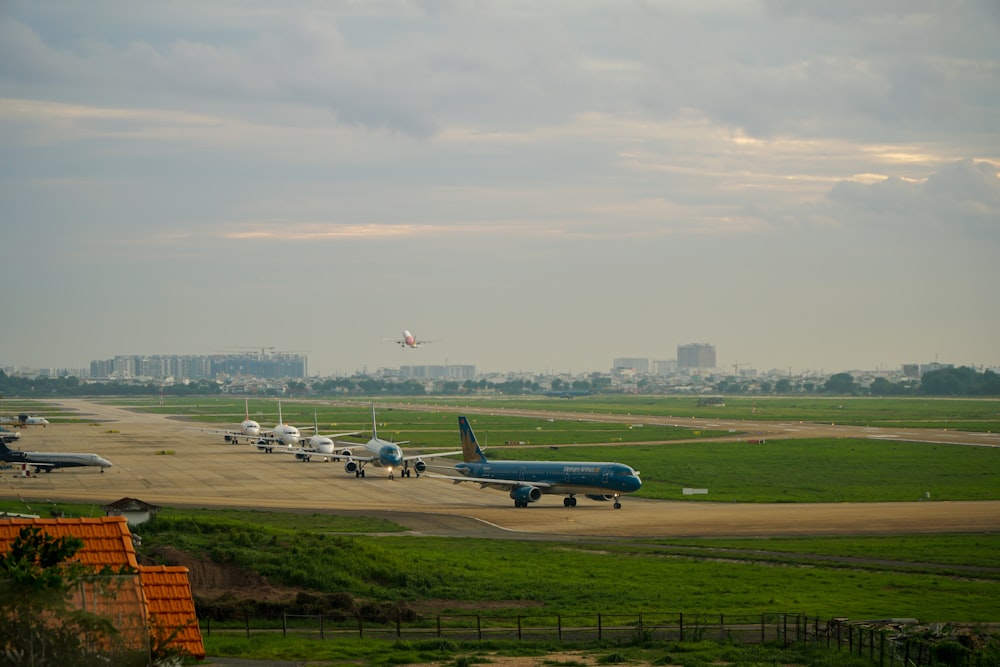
column 962, row 197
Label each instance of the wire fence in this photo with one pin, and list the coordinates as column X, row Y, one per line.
column 884, row 643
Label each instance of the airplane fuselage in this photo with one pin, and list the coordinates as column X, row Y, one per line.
column 250, row 428
column 560, row 477
column 57, row 460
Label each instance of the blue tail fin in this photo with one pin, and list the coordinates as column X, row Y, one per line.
column 374, row 426
column 471, row 453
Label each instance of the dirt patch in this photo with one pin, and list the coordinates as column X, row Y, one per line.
column 210, row 580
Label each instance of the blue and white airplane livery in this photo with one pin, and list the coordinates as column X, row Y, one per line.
column 385, row 454
column 527, row 481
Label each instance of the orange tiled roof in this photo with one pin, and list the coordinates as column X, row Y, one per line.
column 171, row 607
column 106, row 540
column 166, row 591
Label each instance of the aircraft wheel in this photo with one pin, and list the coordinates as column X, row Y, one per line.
column 618, row 505
column 567, row 502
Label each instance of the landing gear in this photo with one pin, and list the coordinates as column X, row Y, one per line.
column 360, row 472
column 569, row 501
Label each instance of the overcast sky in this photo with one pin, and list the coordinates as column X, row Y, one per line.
column 534, row 186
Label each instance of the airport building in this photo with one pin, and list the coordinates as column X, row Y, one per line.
column 695, row 356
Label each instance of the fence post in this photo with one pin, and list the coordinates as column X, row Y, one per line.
column 361, row 629
column 321, row 627
column 284, row 624
column 479, row 627
column 599, row 627
column 439, row 626
column 519, row 626
column 246, row 619
column 559, row 625
column 397, row 627
column 680, row 625
column 208, row 626
column 640, row 626
column 762, row 621
column 722, row 628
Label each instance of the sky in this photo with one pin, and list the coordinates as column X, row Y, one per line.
column 532, row 186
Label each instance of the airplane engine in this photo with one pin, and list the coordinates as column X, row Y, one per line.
column 523, row 495
column 601, row 497
column 419, row 465
column 351, row 466
column 345, row 452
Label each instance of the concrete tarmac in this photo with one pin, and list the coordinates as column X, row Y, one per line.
column 160, row 461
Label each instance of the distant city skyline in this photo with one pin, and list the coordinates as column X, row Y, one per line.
column 653, row 366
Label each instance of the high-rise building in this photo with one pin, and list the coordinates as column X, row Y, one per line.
column 695, row 356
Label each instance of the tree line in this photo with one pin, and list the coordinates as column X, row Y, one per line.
column 960, row 381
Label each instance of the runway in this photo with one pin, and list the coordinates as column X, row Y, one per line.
column 161, row 462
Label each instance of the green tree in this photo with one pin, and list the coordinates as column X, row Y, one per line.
column 40, row 624
column 840, row 383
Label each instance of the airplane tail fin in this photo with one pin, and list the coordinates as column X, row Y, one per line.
column 471, row 453
column 3, row 447
column 374, row 427
column 247, row 404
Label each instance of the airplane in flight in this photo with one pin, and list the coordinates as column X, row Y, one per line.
column 527, row 481
column 385, row 454
column 48, row 460
column 409, row 340
column 248, row 429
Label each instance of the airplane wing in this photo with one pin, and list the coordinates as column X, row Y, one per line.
column 433, row 455
column 490, row 483
column 264, row 434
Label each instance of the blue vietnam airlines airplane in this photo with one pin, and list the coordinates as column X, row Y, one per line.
column 528, row 480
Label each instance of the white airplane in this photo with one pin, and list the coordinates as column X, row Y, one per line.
column 48, row 460
column 281, row 434
column 249, row 429
column 385, row 454
column 26, row 420
column 318, row 443
column 409, row 340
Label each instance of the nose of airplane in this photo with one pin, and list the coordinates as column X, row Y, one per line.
column 391, row 456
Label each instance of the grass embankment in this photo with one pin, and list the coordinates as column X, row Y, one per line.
column 542, row 579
